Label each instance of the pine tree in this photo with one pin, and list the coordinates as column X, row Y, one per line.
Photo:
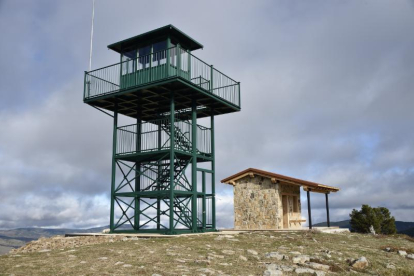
column 380, row 218
column 387, row 221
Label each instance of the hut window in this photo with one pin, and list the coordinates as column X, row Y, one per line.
column 295, row 204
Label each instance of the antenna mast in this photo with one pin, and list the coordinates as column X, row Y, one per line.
column 90, row 53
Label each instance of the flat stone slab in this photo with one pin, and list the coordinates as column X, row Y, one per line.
column 220, row 232
column 150, row 235
column 331, row 230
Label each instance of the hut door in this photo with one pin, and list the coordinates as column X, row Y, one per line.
column 285, row 212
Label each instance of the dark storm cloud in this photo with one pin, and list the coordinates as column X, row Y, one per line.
column 327, row 94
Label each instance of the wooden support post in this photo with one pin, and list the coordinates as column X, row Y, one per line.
column 327, row 210
column 309, row 210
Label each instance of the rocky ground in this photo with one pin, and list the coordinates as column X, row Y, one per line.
column 248, row 253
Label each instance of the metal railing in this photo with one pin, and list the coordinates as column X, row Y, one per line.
column 157, row 66
column 155, row 135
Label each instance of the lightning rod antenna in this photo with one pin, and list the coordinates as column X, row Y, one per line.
column 90, row 53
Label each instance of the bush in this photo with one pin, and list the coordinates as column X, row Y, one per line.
column 380, row 218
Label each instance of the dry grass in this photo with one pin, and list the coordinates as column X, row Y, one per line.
column 186, row 255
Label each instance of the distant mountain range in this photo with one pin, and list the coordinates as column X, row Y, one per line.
column 16, row 238
column 403, row 227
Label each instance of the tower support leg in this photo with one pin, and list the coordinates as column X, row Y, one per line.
column 194, row 166
column 204, row 200
column 158, row 177
column 112, row 213
column 137, row 206
column 172, row 145
column 213, row 174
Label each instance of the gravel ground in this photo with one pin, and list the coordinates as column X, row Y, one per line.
column 248, row 253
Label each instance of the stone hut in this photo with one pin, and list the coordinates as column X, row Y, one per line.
column 265, row 200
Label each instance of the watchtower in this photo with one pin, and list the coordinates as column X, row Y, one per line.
column 163, row 165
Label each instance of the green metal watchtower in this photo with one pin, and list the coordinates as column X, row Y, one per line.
column 163, row 166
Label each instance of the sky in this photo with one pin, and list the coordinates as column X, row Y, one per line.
column 327, row 94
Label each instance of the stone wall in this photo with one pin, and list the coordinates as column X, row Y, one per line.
column 258, row 203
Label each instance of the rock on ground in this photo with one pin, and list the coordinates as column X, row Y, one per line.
column 228, row 252
column 251, row 251
column 402, row 253
column 273, row 270
column 302, row 270
column 390, row 266
column 206, row 270
column 301, row 259
column 318, row 266
column 360, row 263
column 275, row 255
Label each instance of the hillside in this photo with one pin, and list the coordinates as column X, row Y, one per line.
column 227, row 253
column 408, row 232
column 403, row 227
column 340, row 224
column 15, row 238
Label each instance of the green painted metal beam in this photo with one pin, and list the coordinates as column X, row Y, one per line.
column 194, row 164
column 112, row 214
column 213, row 174
column 172, row 157
column 138, row 172
column 204, row 200
column 159, row 142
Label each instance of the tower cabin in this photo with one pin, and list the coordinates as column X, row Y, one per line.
column 152, row 65
column 157, row 183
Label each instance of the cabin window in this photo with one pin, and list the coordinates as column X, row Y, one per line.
column 144, row 54
column 159, row 53
column 128, row 62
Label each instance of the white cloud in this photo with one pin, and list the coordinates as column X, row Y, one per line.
column 326, row 96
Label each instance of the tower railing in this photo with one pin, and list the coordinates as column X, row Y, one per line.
column 155, row 136
column 158, row 66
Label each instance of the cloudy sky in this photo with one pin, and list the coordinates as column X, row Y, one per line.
column 327, row 96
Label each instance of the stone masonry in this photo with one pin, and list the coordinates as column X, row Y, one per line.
column 258, row 203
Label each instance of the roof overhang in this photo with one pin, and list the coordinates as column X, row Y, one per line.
column 165, row 31
column 275, row 178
